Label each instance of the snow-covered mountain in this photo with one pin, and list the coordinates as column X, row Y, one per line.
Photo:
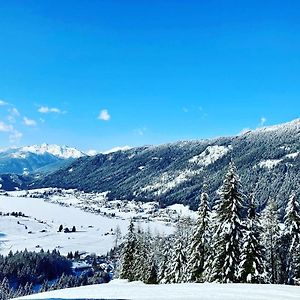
column 30, row 159
column 267, row 159
column 64, row 152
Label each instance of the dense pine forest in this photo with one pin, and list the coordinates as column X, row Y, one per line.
column 229, row 243
column 24, row 273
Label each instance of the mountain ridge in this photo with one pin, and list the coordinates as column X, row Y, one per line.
column 29, row 159
column 267, row 159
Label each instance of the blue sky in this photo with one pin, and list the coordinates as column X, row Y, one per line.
column 100, row 74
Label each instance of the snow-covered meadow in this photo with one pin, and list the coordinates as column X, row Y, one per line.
column 121, row 289
column 95, row 232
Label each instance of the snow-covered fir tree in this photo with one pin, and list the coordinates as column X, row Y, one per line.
column 252, row 267
column 143, row 255
column 176, row 271
column 292, row 234
column 152, row 278
column 271, row 241
column 198, row 250
column 128, row 255
column 164, row 255
column 229, row 230
column 177, row 265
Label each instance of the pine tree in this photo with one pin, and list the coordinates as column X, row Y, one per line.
column 142, row 263
column 198, row 250
column 152, row 278
column 176, row 271
column 127, row 270
column 292, row 233
column 44, row 287
column 252, row 268
column 164, row 259
column 271, row 241
column 228, row 234
column 5, row 291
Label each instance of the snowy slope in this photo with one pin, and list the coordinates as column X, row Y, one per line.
column 95, row 233
column 120, row 289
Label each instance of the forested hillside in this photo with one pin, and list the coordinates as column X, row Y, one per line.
column 267, row 160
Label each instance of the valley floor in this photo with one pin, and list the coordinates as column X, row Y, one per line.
column 39, row 230
column 121, row 289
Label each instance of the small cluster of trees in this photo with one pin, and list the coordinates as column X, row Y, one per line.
column 230, row 243
column 14, row 214
column 66, row 229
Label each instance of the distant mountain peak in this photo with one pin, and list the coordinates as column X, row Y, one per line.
column 64, row 152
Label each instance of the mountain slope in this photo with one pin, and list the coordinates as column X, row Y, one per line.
column 31, row 158
column 267, row 159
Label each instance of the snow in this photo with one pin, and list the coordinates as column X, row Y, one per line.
column 210, row 155
column 95, row 233
column 121, row 289
column 59, row 151
column 269, row 163
column 183, row 210
column 116, row 149
column 293, row 155
column 281, row 127
column 168, row 181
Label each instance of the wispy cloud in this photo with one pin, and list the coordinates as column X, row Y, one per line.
column 141, row 131
column 48, row 110
column 263, row 120
column 104, row 115
column 14, row 135
column 3, row 103
column 14, row 112
column 29, row 122
column 5, row 127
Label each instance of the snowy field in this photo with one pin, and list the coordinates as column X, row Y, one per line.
column 120, row 289
column 95, row 233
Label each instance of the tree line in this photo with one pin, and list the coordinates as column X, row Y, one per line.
column 230, row 242
column 24, row 273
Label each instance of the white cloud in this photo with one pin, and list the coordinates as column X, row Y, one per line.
column 6, row 127
column 2, row 103
column 14, row 112
column 104, row 115
column 186, row 110
column 47, row 110
column 263, row 120
column 15, row 136
column 29, row 122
